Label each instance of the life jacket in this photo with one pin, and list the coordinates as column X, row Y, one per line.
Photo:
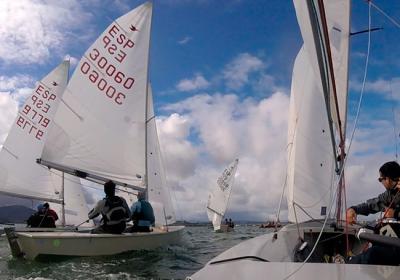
column 41, row 220
column 146, row 212
column 114, row 211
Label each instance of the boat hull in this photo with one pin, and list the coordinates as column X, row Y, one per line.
column 63, row 243
column 278, row 254
column 225, row 228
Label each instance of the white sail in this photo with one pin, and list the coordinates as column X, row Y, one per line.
column 158, row 191
column 20, row 175
column 218, row 199
column 311, row 157
column 100, row 125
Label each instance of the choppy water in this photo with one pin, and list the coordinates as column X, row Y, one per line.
column 200, row 244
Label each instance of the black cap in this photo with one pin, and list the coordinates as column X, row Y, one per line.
column 390, row 169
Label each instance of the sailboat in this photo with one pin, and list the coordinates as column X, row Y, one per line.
column 20, row 175
column 219, row 198
column 104, row 129
column 313, row 245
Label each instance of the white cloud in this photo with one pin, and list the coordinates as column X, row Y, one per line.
column 13, row 91
column 197, row 83
column 185, row 40
column 236, row 73
column 179, row 154
column 227, row 128
column 30, row 31
column 387, row 88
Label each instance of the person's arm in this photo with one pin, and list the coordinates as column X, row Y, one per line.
column 97, row 209
column 135, row 207
column 372, row 206
column 125, row 205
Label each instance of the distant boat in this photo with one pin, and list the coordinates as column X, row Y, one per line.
column 271, row 224
column 218, row 199
column 105, row 130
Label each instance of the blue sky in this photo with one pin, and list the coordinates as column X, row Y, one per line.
column 221, row 73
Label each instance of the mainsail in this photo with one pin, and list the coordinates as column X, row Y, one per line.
column 99, row 128
column 219, row 198
column 318, row 105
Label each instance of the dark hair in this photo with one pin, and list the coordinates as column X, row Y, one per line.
column 109, row 188
column 46, row 205
column 390, row 169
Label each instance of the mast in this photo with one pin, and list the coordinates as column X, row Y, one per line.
column 341, row 133
column 63, row 200
column 146, row 177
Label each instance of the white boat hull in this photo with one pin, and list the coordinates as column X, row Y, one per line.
column 274, row 254
column 225, row 228
column 252, row 269
column 63, row 243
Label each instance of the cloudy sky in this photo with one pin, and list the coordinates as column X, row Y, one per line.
column 220, row 72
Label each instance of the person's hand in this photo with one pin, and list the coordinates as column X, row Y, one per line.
column 389, row 213
column 351, row 216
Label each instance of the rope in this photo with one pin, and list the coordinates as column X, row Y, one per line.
column 383, row 13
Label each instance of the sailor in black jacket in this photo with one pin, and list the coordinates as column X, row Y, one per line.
column 387, row 202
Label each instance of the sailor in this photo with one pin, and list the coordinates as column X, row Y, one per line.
column 40, row 219
column 387, row 202
column 142, row 214
column 230, row 223
column 50, row 212
column 113, row 209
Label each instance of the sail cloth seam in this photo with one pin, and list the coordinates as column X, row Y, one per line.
column 70, row 108
column 11, row 153
column 212, row 210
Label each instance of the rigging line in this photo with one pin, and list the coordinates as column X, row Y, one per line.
column 385, row 14
column 394, row 120
column 362, row 88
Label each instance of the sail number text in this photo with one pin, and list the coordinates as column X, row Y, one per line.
column 102, row 70
column 32, row 117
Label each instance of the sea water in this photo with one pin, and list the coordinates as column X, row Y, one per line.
column 199, row 245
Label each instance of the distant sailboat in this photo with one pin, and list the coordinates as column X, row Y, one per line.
column 105, row 130
column 20, row 175
column 312, row 245
column 218, row 199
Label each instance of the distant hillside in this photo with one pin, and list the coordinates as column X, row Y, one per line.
column 14, row 214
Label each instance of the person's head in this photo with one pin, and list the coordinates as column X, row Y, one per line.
column 141, row 195
column 226, row 219
column 389, row 174
column 109, row 188
column 40, row 207
column 46, row 205
column 230, row 219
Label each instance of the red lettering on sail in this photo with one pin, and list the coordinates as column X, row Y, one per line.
column 30, row 128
